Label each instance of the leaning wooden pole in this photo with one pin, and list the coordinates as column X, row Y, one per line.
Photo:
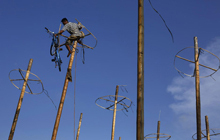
column 207, row 128
column 140, row 74
column 114, row 113
column 158, row 130
column 197, row 86
column 20, row 101
column 67, row 79
column 80, row 121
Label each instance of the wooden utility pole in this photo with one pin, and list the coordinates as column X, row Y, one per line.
column 158, row 130
column 119, row 138
column 114, row 113
column 67, row 79
column 197, row 86
column 207, row 127
column 140, row 74
column 80, row 121
column 20, row 101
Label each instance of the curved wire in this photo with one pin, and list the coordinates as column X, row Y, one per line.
column 192, row 75
column 46, row 93
column 101, row 98
column 161, row 135
column 28, row 79
column 90, row 33
column 163, row 20
column 214, row 133
column 43, row 90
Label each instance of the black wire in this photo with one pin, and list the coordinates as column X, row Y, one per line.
column 212, row 78
column 163, row 20
column 83, row 59
column 46, row 93
column 124, row 89
column 83, row 52
column 180, row 74
column 132, row 109
column 124, row 113
column 200, row 51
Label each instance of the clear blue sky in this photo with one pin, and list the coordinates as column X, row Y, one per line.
column 113, row 62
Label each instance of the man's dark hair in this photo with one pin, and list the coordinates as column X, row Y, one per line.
column 64, row 19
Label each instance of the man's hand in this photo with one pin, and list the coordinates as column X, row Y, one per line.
column 59, row 33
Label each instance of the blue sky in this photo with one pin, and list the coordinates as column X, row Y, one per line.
column 113, row 62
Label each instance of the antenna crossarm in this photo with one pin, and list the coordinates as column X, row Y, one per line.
column 194, row 62
column 215, row 134
column 25, row 80
column 114, row 101
column 118, row 103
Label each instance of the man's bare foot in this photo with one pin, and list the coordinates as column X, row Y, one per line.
column 80, row 42
column 69, row 54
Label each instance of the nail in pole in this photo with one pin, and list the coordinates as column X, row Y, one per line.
column 20, row 101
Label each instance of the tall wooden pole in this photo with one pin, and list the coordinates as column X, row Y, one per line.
column 114, row 113
column 67, row 79
column 207, row 127
column 197, row 86
column 119, row 138
column 20, row 101
column 158, row 130
column 140, row 74
column 80, row 121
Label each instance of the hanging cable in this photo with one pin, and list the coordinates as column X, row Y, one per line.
column 46, row 93
column 83, row 51
column 75, row 97
column 163, row 20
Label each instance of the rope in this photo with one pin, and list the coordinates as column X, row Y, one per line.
column 75, row 97
column 83, row 51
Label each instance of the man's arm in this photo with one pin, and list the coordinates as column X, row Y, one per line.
column 60, row 32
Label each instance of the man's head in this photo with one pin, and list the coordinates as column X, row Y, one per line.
column 64, row 21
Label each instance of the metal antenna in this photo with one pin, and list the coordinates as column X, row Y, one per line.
column 197, row 76
column 214, row 131
column 26, row 79
column 20, row 101
column 118, row 100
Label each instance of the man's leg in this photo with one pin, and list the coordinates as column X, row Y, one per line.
column 67, row 44
column 68, row 48
column 79, row 41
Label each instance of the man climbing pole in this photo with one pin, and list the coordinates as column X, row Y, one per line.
column 75, row 34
